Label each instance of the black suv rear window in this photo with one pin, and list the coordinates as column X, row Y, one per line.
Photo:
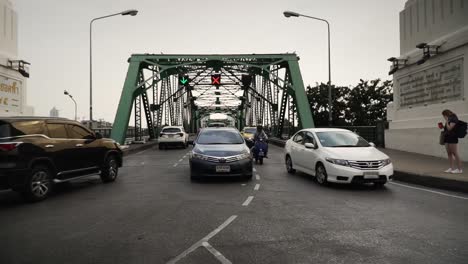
column 20, row 128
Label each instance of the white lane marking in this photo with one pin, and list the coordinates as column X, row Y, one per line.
column 142, row 163
column 243, row 184
column 180, row 160
column 205, row 239
column 422, row 189
column 254, row 169
column 247, row 202
column 257, row 186
column 175, row 165
column 257, row 177
column 216, row 253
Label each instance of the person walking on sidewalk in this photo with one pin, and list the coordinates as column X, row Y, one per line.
column 451, row 141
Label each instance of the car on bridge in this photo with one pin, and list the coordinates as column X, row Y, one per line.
column 220, row 152
column 248, row 135
column 217, row 124
column 36, row 153
column 337, row 155
column 173, row 136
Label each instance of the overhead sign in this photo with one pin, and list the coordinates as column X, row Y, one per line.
column 10, row 94
column 442, row 82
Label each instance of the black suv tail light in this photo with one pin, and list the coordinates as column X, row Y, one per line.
column 9, row 146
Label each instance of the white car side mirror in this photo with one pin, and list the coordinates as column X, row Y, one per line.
column 372, row 144
column 310, row 145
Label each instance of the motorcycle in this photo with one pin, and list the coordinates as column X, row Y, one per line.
column 259, row 150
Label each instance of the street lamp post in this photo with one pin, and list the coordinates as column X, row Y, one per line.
column 71, row 97
column 131, row 12
column 294, row 14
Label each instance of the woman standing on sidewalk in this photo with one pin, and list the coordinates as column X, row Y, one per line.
column 451, row 141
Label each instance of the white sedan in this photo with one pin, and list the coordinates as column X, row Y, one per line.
column 337, row 155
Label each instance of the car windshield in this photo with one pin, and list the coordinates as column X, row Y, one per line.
column 250, row 130
column 171, row 130
column 219, row 137
column 335, row 139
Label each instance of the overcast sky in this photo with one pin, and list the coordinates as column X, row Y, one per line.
column 54, row 37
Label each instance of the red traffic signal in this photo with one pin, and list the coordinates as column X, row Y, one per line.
column 216, row 79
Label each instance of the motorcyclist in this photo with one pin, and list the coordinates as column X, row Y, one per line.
column 260, row 134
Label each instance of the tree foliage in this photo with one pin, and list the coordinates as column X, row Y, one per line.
column 363, row 104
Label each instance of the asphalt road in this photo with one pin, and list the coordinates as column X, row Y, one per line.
column 155, row 214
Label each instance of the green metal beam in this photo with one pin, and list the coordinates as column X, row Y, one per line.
column 122, row 117
column 300, row 96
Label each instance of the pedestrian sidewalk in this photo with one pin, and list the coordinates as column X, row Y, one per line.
column 426, row 170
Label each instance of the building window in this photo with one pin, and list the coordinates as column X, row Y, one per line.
column 425, row 13
column 12, row 16
column 4, row 20
column 417, row 16
column 441, row 9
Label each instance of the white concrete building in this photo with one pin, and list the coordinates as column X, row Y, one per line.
column 13, row 71
column 423, row 88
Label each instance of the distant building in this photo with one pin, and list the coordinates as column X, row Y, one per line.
column 54, row 112
column 429, row 75
column 13, row 71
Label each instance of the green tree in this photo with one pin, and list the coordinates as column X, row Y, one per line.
column 368, row 102
column 318, row 100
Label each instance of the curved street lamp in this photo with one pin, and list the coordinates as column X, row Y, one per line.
column 131, row 12
column 71, row 97
column 294, row 14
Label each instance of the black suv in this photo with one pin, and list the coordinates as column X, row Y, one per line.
column 36, row 153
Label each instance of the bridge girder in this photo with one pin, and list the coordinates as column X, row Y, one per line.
column 275, row 95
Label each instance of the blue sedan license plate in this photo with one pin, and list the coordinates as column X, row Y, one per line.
column 223, row 168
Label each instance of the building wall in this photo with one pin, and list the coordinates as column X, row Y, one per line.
column 425, row 20
column 13, row 86
column 8, row 30
column 422, row 92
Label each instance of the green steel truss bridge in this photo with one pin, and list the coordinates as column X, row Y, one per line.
column 254, row 89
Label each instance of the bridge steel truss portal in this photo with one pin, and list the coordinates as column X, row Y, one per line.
column 254, row 89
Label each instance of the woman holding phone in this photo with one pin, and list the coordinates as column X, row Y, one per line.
column 451, row 141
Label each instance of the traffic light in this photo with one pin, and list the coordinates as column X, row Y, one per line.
column 184, row 80
column 216, row 79
column 246, row 80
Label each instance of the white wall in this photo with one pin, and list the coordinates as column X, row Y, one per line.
column 9, row 51
column 413, row 123
column 426, row 20
column 8, row 31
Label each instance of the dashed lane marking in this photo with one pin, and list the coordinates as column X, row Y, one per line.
column 175, row 165
column 247, row 202
column 243, row 184
column 205, row 240
column 431, row 191
column 254, row 169
column 257, row 177
column 216, row 253
column 257, row 187
column 181, row 160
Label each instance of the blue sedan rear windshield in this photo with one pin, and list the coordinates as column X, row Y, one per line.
column 219, row 137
